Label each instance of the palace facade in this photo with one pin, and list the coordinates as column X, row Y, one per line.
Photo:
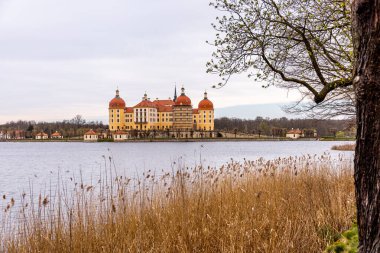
column 175, row 114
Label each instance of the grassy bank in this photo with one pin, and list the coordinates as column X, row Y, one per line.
column 285, row 205
column 329, row 138
column 218, row 139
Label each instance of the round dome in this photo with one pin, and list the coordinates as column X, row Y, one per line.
column 205, row 104
column 117, row 102
column 183, row 100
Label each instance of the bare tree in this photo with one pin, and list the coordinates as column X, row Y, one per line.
column 366, row 33
column 306, row 45
column 78, row 120
column 294, row 44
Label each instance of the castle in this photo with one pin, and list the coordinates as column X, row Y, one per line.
column 176, row 116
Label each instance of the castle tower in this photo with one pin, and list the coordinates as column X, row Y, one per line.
column 183, row 112
column 116, row 113
column 206, row 114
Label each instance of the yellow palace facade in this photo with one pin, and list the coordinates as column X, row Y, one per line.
column 161, row 115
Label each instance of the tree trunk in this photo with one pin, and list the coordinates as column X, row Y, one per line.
column 366, row 34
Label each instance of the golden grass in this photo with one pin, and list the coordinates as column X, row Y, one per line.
column 284, row 205
column 345, row 147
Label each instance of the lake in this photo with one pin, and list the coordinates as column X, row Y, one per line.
column 39, row 163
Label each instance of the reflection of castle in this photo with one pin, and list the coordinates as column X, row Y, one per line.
column 173, row 115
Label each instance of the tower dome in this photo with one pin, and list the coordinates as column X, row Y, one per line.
column 205, row 104
column 183, row 99
column 117, row 102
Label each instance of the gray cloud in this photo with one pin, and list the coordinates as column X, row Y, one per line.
column 61, row 58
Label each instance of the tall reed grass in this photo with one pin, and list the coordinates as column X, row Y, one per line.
column 295, row 204
column 344, row 147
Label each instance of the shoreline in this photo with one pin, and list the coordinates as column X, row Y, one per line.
column 186, row 140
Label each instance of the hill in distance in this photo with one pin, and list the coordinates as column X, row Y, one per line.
column 255, row 110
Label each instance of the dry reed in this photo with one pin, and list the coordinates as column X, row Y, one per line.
column 345, row 147
column 285, row 205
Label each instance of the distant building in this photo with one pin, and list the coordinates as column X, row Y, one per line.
column 120, row 135
column 4, row 135
column 91, row 135
column 162, row 115
column 42, row 136
column 12, row 134
column 56, row 135
column 19, row 134
column 310, row 133
column 294, row 134
column 104, row 135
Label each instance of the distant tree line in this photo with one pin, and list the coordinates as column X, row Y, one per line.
column 74, row 127
column 279, row 126
column 77, row 126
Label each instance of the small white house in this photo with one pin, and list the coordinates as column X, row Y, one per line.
column 120, row 136
column 56, row 135
column 294, row 134
column 42, row 136
column 90, row 136
column 4, row 135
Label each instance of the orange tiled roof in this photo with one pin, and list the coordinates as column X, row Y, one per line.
column 120, row 132
column 165, row 108
column 205, row 104
column 128, row 110
column 164, row 102
column 183, row 100
column 117, row 103
column 146, row 103
column 90, row 132
column 56, row 134
column 195, row 111
column 294, row 131
column 41, row 134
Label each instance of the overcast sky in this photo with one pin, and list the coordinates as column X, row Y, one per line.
column 59, row 58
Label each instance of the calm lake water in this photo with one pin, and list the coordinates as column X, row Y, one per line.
column 39, row 163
